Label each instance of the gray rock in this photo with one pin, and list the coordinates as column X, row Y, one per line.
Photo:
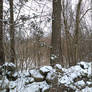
column 29, row 80
column 45, row 69
column 50, row 77
column 9, row 67
column 58, row 68
column 36, row 75
column 46, row 89
column 12, row 76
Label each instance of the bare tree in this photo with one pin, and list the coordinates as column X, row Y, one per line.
column 2, row 58
column 12, row 31
column 56, row 53
column 76, row 32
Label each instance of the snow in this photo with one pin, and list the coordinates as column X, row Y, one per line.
column 77, row 72
column 25, row 73
column 58, row 66
column 70, row 74
column 50, row 76
column 12, row 85
column 86, row 65
column 33, row 87
column 4, row 82
column 89, row 83
column 53, row 57
column 87, row 68
column 46, row 69
column 75, row 77
column 80, row 83
column 29, row 80
column 36, row 74
column 15, row 74
column 87, row 89
column 9, row 64
column 25, row 78
column 36, row 87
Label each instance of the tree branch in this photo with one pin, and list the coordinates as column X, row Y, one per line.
column 85, row 13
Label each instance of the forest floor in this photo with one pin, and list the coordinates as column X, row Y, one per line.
column 77, row 78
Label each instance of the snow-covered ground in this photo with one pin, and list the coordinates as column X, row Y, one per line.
column 78, row 78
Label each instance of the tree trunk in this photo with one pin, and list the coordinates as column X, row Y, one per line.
column 67, row 38
column 2, row 57
column 76, row 35
column 56, row 53
column 12, row 31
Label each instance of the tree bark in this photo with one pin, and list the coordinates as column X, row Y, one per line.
column 2, row 57
column 76, row 35
column 56, row 52
column 12, row 31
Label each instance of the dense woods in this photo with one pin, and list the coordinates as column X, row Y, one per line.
column 23, row 39
column 45, row 45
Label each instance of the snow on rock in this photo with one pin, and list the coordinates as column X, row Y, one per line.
column 12, row 85
column 36, row 87
column 87, row 67
column 36, row 75
column 76, row 77
column 89, row 83
column 8, row 70
column 31, row 88
column 12, row 76
column 72, row 73
column 58, row 68
column 50, row 77
column 15, row 75
column 69, row 75
column 4, row 83
column 53, row 57
column 43, row 86
column 46, row 89
column 46, row 69
column 86, row 89
column 84, row 65
column 9, row 64
column 29, row 80
column 9, row 67
column 80, row 84
column 25, row 73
